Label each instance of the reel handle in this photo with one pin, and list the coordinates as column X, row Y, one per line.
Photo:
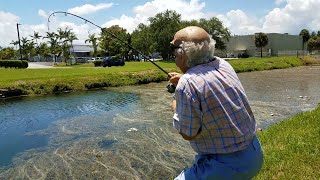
column 171, row 88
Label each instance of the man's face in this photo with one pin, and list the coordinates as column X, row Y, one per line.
column 181, row 59
column 180, row 55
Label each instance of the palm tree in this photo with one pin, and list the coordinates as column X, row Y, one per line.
column 71, row 38
column 35, row 37
column 305, row 37
column 15, row 43
column 93, row 40
column 260, row 40
column 64, row 36
column 44, row 50
column 54, row 45
column 24, row 47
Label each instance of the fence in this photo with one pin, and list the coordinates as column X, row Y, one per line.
column 292, row 52
column 264, row 54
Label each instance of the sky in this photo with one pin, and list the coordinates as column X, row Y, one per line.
column 240, row 16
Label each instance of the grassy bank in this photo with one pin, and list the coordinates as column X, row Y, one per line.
column 84, row 77
column 292, row 148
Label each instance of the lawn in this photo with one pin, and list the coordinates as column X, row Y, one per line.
column 292, row 148
column 86, row 76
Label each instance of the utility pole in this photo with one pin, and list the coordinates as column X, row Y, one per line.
column 19, row 40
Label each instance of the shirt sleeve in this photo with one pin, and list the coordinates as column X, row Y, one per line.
column 188, row 115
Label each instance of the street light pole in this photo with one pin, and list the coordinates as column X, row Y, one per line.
column 19, row 40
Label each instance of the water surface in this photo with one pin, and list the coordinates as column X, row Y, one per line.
column 126, row 132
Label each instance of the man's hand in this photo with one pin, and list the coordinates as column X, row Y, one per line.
column 174, row 77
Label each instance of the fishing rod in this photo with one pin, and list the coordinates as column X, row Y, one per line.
column 170, row 87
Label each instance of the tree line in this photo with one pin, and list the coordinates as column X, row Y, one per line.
column 154, row 36
column 311, row 40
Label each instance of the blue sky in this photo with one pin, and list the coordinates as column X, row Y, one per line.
column 240, row 16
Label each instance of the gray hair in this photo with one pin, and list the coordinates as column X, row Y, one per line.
column 199, row 53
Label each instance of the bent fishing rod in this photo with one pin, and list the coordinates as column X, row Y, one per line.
column 170, row 87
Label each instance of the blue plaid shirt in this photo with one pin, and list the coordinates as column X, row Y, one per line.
column 212, row 104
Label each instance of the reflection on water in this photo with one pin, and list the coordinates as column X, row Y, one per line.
column 126, row 133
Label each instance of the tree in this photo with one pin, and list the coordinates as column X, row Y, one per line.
column 141, row 39
column 260, row 40
column 94, row 41
column 15, row 43
column 72, row 36
column 110, row 44
column 305, row 37
column 314, row 43
column 54, row 46
column 65, row 36
column 7, row 53
column 163, row 27
column 218, row 32
column 35, row 37
column 27, row 48
column 44, row 50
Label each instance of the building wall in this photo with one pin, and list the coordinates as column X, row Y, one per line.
column 239, row 44
column 276, row 42
column 283, row 42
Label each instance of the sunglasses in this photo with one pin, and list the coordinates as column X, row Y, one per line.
column 173, row 47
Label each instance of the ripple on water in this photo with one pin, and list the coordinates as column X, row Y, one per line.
column 96, row 144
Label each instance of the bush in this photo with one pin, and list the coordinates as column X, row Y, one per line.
column 97, row 63
column 14, row 63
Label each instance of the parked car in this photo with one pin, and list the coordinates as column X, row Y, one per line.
column 243, row 55
column 91, row 60
column 109, row 61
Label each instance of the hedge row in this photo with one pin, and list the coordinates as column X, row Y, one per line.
column 97, row 63
column 14, row 63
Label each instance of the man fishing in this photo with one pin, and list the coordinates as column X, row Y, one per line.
column 212, row 112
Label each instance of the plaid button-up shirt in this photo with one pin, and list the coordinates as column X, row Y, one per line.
column 212, row 104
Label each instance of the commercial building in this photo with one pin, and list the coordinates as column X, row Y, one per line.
column 278, row 45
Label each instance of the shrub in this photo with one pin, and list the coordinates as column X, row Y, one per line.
column 97, row 63
column 14, row 63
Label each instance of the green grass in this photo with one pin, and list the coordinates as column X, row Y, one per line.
column 10, row 76
column 292, row 148
column 85, row 76
column 259, row 64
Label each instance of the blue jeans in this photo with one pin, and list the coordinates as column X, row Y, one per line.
column 240, row 165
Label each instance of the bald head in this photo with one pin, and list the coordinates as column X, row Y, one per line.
column 195, row 46
column 190, row 34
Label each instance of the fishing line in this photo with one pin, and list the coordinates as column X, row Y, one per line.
column 170, row 87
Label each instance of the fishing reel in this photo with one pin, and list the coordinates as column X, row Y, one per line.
column 171, row 88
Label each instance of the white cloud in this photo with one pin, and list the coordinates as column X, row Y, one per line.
column 239, row 22
column 88, row 8
column 293, row 16
column 296, row 15
column 81, row 30
column 42, row 13
column 188, row 9
column 8, row 28
column 124, row 21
